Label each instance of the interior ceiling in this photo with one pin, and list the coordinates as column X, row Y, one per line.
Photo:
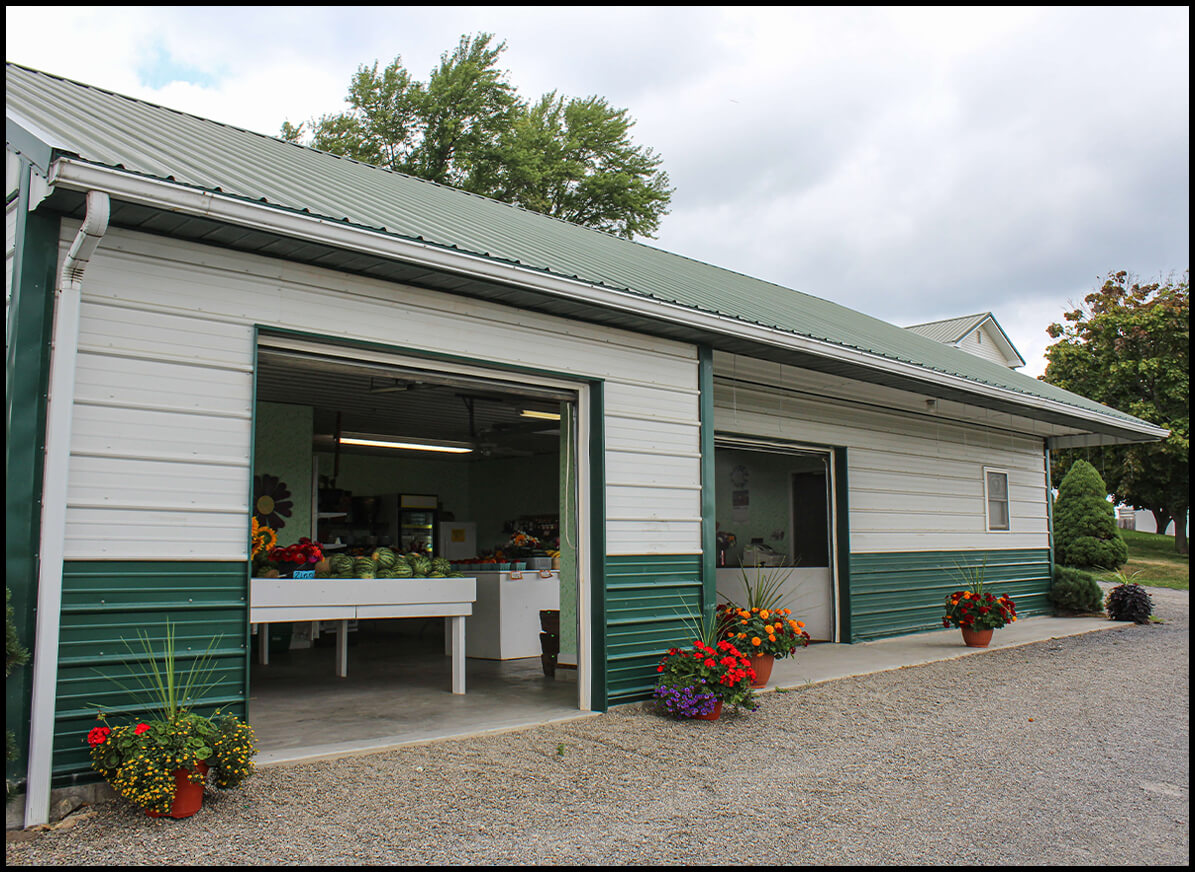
column 372, row 399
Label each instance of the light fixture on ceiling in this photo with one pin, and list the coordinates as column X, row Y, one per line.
column 405, row 443
column 540, row 416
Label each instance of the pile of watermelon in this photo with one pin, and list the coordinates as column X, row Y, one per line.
column 386, row 563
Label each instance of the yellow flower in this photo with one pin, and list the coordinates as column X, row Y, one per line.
column 764, row 614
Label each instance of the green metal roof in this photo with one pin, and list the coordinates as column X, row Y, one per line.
column 115, row 131
column 950, row 329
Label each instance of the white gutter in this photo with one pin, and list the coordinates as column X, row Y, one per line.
column 173, row 197
column 59, row 410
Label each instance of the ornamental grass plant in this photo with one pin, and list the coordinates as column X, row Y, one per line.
column 139, row 759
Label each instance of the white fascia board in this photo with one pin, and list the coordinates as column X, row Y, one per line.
column 76, row 175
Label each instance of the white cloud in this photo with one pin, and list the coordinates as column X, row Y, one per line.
column 910, row 163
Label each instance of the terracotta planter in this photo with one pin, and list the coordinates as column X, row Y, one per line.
column 762, row 664
column 188, row 794
column 976, row 638
column 712, row 716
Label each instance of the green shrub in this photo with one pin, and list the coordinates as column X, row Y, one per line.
column 1074, row 590
column 1085, row 532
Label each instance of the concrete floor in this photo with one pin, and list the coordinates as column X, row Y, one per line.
column 398, row 690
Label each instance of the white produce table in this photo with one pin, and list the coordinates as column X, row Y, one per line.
column 277, row 600
column 506, row 624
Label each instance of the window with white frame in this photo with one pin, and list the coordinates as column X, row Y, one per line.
column 995, row 486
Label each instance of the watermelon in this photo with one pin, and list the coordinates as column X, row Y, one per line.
column 385, row 558
column 341, row 565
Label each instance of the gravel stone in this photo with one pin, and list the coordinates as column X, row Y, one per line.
column 1069, row 751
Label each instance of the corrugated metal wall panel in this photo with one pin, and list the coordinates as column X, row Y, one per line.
column 166, row 376
column 896, row 593
column 649, row 601
column 108, row 603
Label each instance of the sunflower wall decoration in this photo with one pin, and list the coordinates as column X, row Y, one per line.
column 271, row 501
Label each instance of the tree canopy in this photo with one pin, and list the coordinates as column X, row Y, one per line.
column 571, row 158
column 1128, row 346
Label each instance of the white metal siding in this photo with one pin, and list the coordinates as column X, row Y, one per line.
column 985, row 347
column 160, row 451
column 915, row 481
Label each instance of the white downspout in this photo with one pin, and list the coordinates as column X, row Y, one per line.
column 64, row 350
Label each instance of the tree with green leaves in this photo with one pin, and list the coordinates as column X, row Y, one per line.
column 1128, row 346
column 467, row 127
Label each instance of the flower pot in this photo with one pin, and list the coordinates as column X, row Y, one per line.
column 762, row 664
column 188, row 795
column 976, row 638
column 712, row 716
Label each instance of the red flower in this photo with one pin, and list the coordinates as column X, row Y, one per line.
column 710, row 664
column 98, row 736
column 140, row 728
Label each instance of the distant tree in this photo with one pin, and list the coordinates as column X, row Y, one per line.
column 467, row 127
column 1085, row 532
column 1128, row 346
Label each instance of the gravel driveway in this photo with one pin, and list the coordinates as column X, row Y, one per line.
column 1069, row 751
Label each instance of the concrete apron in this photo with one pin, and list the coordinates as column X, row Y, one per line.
column 829, row 661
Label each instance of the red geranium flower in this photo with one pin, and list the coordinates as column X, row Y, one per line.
column 140, row 728
column 98, row 736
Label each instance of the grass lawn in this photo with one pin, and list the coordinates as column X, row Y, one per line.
column 1154, row 562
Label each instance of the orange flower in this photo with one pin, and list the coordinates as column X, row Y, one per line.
column 764, row 614
column 755, row 640
column 771, row 638
column 788, row 611
column 793, row 624
column 801, row 624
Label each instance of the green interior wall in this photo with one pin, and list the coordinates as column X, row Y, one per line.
column 896, row 593
column 566, row 500
column 282, row 447
column 767, row 514
column 502, row 489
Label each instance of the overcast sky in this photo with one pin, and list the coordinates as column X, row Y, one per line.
column 911, row 164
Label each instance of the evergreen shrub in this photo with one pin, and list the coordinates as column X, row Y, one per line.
column 1074, row 590
column 1085, row 532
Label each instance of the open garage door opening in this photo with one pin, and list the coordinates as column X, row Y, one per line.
column 443, row 500
column 775, row 514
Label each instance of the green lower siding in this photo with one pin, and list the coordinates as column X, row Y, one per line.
column 648, row 599
column 896, row 593
column 105, row 603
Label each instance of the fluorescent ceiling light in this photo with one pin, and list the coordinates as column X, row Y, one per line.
column 406, row 443
column 542, row 416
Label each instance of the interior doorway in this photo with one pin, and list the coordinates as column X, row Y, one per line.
column 458, row 470
column 775, row 514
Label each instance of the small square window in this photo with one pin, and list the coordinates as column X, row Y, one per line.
column 996, row 493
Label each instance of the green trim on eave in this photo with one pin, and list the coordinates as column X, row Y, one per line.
column 842, row 520
column 709, row 512
column 653, row 601
column 28, row 146
column 106, row 603
column 896, row 593
column 27, row 373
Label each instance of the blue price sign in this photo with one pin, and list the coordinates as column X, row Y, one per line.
column 303, row 573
